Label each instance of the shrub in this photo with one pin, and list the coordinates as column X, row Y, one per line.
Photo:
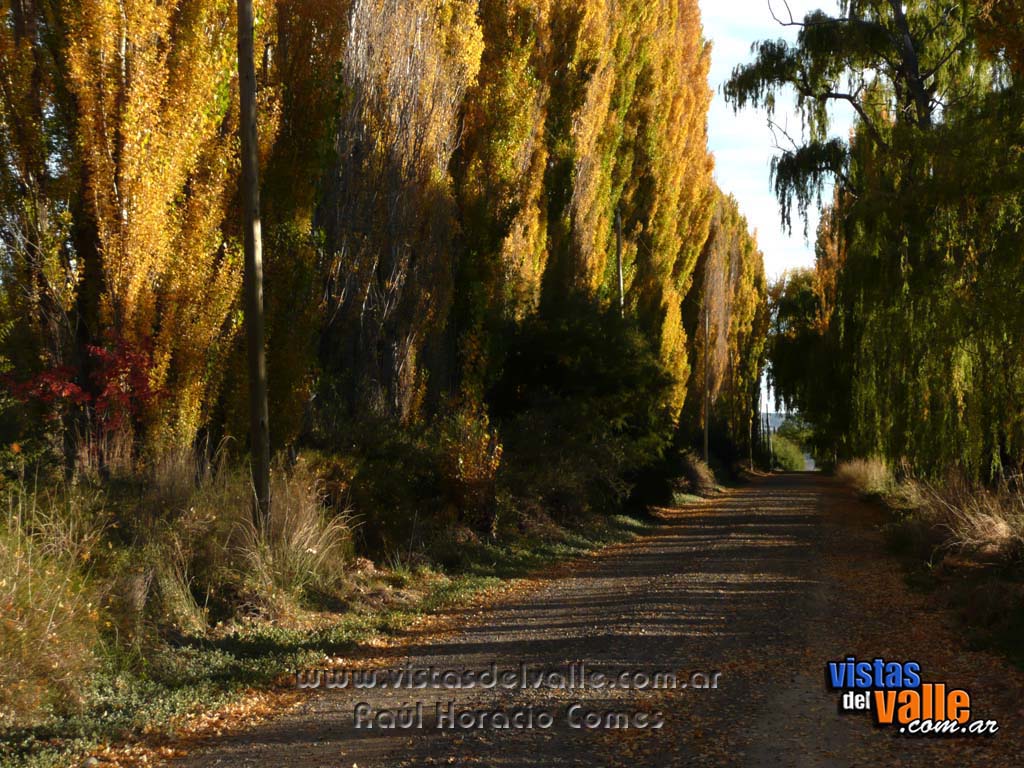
column 787, row 454
column 390, row 475
column 470, row 455
column 116, row 396
column 698, row 475
column 556, row 465
column 582, row 407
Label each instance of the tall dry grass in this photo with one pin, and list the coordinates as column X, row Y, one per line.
column 307, row 547
column 211, row 549
column 87, row 574
column 871, row 476
column 49, row 609
column 985, row 522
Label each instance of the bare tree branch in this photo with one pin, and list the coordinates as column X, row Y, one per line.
column 851, row 98
column 859, row 108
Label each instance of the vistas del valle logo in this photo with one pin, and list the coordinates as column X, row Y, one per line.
column 894, row 693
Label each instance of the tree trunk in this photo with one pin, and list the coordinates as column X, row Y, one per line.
column 707, row 362
column 911, row 66
column 618, row 260
column 259, row 429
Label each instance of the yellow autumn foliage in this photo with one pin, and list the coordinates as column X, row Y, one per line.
column 436, row 175
column 154, row 86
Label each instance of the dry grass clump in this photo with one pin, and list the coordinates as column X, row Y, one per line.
column 871, row 477
column 307, row 548
column 985, row 522
column 215, row 560
column 84, row 573
column 48, row 609
column 698, row 475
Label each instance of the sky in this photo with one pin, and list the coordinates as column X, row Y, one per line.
column 742, row 143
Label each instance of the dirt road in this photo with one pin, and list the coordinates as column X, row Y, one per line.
column 764, row 586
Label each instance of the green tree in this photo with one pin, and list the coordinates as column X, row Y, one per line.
column 914, row 326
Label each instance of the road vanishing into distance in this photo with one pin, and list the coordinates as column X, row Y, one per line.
column 755, row 590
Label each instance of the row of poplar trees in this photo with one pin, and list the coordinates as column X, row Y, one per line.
column 907, row 339
column 434, row 172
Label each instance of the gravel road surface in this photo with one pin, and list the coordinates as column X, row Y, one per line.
column 762, row 586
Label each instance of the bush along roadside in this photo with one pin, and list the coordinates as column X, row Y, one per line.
column 964, row 542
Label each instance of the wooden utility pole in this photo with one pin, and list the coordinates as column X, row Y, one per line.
column 618, row 259
column 750, row 438
column 707, row 387
column 767, row 438
column 259, row 419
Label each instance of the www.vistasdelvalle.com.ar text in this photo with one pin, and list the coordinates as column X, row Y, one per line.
column 577, row 676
